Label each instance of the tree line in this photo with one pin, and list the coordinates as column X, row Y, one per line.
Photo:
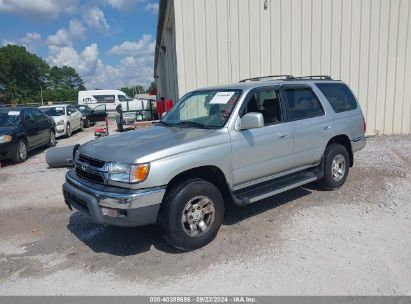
column 27, row 78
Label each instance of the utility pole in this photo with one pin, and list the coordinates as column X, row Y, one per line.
column 41, row 94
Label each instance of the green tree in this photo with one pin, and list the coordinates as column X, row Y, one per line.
column 21, row 75
column 64, row 78
column 131, row 91
column 152, row 88
column 60, row 95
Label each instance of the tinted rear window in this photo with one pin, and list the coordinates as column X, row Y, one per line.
column 339, row 95
column 302, row 104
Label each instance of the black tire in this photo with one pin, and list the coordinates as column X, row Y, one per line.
column 52, row 140
column 87, row 123
column 68, row 131
column 120, row 128
column 21, row 152
column 335, row 155
column 174, row 215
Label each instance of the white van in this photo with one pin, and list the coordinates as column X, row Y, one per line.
column 111, row 98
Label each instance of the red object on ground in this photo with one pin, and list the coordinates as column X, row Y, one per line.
column 100, row 132
column 160, row 108
column 169, row 104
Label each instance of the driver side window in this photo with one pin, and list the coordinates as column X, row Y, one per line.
column 29, row 117
column 266, row 102
column 70, row 110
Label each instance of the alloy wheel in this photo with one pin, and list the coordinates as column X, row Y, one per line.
column 198, row 216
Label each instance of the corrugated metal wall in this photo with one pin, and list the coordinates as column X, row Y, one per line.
column 166, row 68
column 366, row 43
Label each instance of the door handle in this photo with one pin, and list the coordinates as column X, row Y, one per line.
column 325, row 128
column 284, row 136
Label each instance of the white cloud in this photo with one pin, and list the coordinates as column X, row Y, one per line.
column 129, row 72
column 31, row 41
column 6, row 42
column 122, row 4
column 38, row 8
column 144, row 46
column 76, row 29
column 64, row 37
column 95, row 18
column 85, row 62
column 151, row 7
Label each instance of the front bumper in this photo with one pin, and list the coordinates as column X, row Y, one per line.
column 136, row 207
column 7, row 149
column 60, row 130
column 358, row 144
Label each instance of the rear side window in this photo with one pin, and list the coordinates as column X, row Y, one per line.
column 339, row 95
column 302, row 103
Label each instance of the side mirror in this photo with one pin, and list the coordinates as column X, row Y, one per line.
column 251, row 121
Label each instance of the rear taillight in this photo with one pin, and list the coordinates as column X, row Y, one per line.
column 365, row 124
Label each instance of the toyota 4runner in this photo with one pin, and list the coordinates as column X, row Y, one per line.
column 239, row 143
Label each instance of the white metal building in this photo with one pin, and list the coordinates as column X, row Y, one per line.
column 366, row 43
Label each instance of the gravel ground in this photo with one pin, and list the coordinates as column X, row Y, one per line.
column 353, row 241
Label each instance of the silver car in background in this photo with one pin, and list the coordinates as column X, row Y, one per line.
column 67, row 118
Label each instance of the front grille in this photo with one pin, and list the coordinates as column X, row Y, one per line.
column 94, row 177
column 91, row 161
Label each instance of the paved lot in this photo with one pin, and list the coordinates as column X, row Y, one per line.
column 356, row 240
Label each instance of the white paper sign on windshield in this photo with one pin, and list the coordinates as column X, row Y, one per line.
column 222, row 97
column 14, row 113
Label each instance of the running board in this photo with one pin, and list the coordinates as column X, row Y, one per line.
column 266, row 189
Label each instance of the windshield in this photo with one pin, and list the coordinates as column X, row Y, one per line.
column 10, row 118
column 203, row 108
column 54, row 111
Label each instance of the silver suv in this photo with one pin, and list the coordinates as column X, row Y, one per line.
column 239, row 143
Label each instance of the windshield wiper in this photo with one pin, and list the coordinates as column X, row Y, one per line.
column 192, row 124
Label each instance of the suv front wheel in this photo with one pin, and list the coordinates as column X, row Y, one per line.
column 192, row 214
column 336, row 166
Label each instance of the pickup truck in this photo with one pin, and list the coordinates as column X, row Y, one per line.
column 238, row 143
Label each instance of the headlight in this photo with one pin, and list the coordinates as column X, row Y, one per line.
column 5, row 138
column 126, row 173
column 60, row 123
column 76, row 155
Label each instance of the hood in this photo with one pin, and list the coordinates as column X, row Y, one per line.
column 8, row 130
column 57, row 118
column 130, row 146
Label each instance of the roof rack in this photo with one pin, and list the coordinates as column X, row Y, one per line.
column 284, row 77
column 314, row 77
column 289, row 77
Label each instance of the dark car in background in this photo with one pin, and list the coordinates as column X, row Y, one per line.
column 22, row 130
column 91, row 116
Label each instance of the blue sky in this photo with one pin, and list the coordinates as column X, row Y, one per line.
column 109, row 42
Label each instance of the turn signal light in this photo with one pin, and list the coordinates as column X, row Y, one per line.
column 140, row 172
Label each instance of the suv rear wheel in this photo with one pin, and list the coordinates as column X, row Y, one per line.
column 336, row 166
column 192, row 214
